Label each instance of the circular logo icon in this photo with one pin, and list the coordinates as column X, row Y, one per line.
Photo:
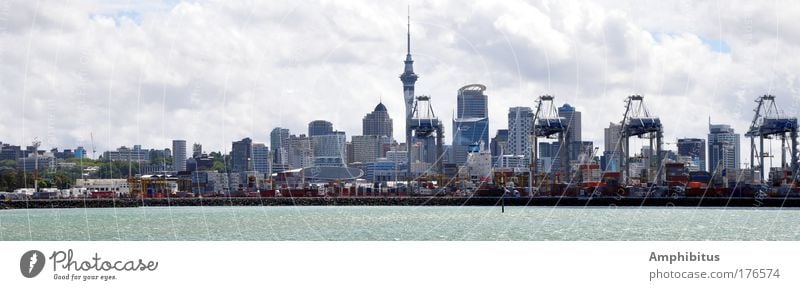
column 31, row 263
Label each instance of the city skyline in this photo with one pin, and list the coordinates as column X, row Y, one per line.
column 333, row 133
column 165, row 102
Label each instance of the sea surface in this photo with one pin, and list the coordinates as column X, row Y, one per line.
column 391, row 223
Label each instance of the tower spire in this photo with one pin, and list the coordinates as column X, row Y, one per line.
column 408, row 29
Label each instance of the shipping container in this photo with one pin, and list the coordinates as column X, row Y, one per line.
column 700, row 176
column 103, row 194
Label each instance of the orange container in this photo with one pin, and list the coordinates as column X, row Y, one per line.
column 591, row 184
column 695, row 184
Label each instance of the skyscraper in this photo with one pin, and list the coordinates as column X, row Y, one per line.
column 471, row 102
column 695, row 149
column 520, row 120
column 261, row 158
column 330, row 149
column 573, row 119
column 350, row 150
column 613, row 147
column 197, row 150
column 368, row 148
column 241, row 154
column 298, row 151
column 582, row 151
column 549, row 157
column 723, row 148
column 179, row 155
column 278, row 141
column 319, row 127
column 471, row 126
column 499, row 144
column 377, row 123
column 80, row 152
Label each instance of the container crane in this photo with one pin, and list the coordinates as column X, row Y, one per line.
column 91, row 136
column 547, row 124
column 429, row 130
column 768, row 124
column 637, row 122
column 36, row 143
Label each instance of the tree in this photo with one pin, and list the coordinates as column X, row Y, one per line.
column 44, row 183
column 218, row 160
column 8, row 163
column 7, row 180
column 218, row 166
column 118, row 169
column 24, row 179
column 62, row 181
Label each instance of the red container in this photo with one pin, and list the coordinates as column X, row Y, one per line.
column 103, row 194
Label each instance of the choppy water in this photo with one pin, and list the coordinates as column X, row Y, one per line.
column 399, row 223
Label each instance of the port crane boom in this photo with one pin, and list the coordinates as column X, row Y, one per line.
column 637, row 122
column 428, row 130
column 547, row 124
column 768, row 124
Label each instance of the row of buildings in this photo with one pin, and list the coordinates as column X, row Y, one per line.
column 382, row 158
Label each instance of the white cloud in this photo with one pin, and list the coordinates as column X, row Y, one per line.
column 137, row 72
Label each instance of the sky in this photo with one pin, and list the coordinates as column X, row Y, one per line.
column 211, row 72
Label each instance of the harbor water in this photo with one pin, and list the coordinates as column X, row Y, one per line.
column 391, row 223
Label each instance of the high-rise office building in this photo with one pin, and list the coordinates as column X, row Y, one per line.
column 548, row 149
column 612, row 155
column 520, row 120
column 197, row 150
column 330, row 149
column 723, row 148
column 179, row 155
column 241, row 155
column 319, row 127
column 471, row 126
column 548, row 159
column 278, row 141
column 471, row 102
column 573, row 119
column 298, row 151
column 499, row 144
column 350, row 156
column 612, row 137
column 582, row 151
column 368, row 148
column 695, row 149
column 80, row 152
column 377, row 123
column 261, row 158
column 398, row 156
column 126, row 154
column 578, row 151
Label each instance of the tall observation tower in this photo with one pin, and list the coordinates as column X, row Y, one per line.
column 408, row 78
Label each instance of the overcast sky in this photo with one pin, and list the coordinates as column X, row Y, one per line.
column 147, row 72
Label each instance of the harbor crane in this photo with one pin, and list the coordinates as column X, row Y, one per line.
column 638, row 122
column 35, row 145
column 768, row 124
column 91, row 136
column 547, row 124
column 428, row 130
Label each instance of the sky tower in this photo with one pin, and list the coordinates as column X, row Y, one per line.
column 408, row 78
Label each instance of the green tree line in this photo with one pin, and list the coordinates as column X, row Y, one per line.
column 12, row 178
